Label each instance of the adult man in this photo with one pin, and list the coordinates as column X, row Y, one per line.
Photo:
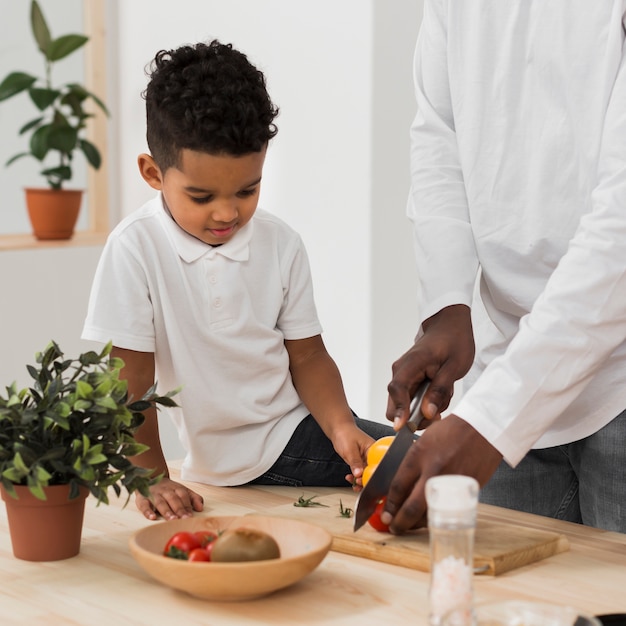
column 518, row 201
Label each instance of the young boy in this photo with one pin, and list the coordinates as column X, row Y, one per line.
column 199, row 289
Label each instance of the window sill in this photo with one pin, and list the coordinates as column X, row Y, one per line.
column 28, row 242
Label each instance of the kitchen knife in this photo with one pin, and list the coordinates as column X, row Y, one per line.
column 380, row 480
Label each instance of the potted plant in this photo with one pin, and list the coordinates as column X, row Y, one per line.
column 56, row 133
column 68, row 435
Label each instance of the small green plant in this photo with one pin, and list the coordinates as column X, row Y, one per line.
column 74, row 426
column 306, row 502
column 60, row 125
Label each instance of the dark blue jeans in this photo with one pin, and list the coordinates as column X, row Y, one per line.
column 309, row 459
column 583, row 481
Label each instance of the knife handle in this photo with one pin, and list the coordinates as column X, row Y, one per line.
column 415, row 412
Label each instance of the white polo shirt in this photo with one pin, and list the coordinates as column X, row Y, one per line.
column 216, row 319
column 518, row 166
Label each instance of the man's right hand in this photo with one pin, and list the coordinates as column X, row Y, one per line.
column 450, row 446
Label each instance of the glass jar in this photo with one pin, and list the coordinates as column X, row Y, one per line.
column 452, row 502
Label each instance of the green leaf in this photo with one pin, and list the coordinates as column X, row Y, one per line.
column 92, row 154
column 63, row 172
column 139, row 405
column 62, row 138
column 15, row 157
column 15, row 83
column 39, row 142
column 166, row 401
column 88, row 94
column 41, row 32
column 107, row 403
column 42, row 475
column 82, row 405
column 43, row 98
column 84, row 389
column 37, row 489
column 64, row 46
column 135, row 449
column 95, row 459
column 104, row 388
column 89, row 358
column 13, row 474
column 116, row 363
column 75, row 103
column 30, row 125
column 63, row 409
column 19, row 464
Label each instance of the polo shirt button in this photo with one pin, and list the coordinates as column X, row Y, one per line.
column 217, row 303
column 213, row 278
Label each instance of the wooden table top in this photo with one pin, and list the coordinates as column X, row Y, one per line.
column 104, row 585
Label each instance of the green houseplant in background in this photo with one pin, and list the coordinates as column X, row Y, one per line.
column 68, row 435
column 57, row 132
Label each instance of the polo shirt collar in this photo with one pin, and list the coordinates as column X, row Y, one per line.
column 191, row 249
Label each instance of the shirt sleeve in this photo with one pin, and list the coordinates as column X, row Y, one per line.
column 577, row 321
column 298, row 316
column 120, row 308
column 446, row 256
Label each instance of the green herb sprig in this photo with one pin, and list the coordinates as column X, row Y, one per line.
column 344, row 511
column 304, row 502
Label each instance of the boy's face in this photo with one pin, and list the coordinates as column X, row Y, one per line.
column 209, row 196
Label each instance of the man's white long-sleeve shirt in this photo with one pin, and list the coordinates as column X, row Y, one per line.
column 518, row 169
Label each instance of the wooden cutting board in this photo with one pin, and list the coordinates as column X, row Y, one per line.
column 498, row 547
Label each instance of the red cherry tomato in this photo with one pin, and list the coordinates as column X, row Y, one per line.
column 209, row 549
column 374, row 520
column 181, row 544
column 199, row 554
column 205, row 537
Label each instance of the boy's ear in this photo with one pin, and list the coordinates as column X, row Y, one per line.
column 150, row 171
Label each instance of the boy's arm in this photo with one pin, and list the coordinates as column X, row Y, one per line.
column 318, row 383
column 139, row 373
column 169, row 499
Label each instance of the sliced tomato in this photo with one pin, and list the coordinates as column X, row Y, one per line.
column 181, row 544
column 374, row 520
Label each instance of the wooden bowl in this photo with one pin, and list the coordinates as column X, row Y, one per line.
column 303, row 546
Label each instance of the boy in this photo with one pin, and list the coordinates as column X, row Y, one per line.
column 200, row 289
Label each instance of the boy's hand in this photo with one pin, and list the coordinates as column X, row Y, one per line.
column 169, row 499
column 351, row 444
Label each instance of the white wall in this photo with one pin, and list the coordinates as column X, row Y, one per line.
column 44, row 297
column 337, row 171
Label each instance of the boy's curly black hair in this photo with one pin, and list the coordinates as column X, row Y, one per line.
column 207, row 98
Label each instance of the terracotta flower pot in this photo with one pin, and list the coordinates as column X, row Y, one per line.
column 53, row 212
column 45, row 530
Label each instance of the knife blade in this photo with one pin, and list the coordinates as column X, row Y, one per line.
column 380, row 480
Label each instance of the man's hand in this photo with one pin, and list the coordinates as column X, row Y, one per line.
column 169, row 499
column 444, row 354
column 449, row 446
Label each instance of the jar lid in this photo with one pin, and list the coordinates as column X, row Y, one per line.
column 452, row 493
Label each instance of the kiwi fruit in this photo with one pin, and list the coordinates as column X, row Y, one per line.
column 244, row 544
